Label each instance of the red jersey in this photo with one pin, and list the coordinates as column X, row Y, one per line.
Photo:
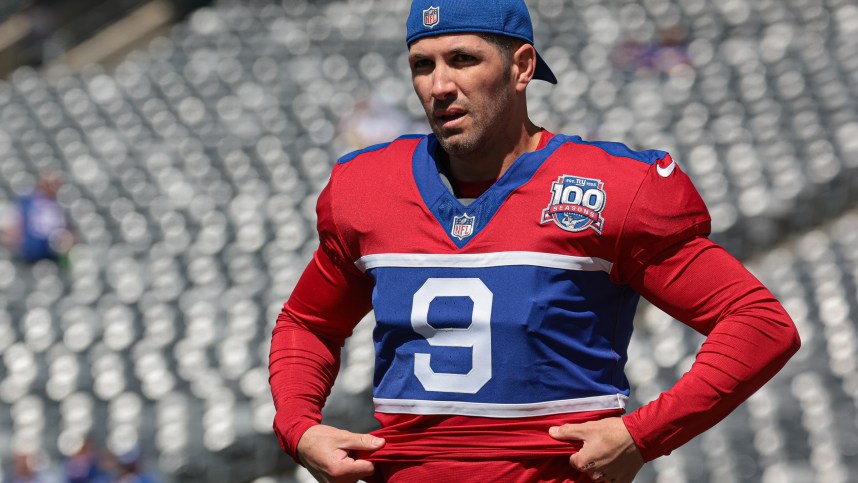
column 503, row 317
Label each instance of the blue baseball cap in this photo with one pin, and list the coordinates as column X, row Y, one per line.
column 501, row 17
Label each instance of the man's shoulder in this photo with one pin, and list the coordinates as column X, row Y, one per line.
column 380, row 168
column 407, row 142
column 616, row 150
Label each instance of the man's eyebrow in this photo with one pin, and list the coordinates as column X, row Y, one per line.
column 455, row 50
column 416, row 56
column 461, row 49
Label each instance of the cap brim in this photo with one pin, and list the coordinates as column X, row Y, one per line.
column 543, row 72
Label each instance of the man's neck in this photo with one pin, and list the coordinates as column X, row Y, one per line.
column 493, row 160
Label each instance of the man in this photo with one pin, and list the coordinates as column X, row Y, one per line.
column 504, row 264
column 39, row 229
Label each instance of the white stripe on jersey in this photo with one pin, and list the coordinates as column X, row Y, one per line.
column 415, row 406
column 483, row 260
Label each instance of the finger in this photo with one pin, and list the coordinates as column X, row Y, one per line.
column 582, row 461
column 348, row 469
column 568, row 431
column 360, row 468
column 362, row 441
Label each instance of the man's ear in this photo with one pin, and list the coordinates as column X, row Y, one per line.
column 523, row 65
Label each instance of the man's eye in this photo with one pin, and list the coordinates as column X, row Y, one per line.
column 421, row 64
column 463, row 58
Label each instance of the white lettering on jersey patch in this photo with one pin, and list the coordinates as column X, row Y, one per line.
column 576, row 204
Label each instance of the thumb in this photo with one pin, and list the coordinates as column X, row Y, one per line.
column 569, row 431
column 363, row 441
column 581, row 460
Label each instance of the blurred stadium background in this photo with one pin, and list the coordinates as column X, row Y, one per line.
column 193, row 143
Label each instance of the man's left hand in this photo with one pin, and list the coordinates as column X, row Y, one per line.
column 609, row 453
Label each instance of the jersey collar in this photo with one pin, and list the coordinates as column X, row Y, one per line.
column 463, row 223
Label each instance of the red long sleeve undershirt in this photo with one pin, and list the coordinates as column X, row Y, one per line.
column 749, row 338
column 326, row 304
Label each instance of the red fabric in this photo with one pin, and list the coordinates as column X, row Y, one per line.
column 535, row 470
column 650, row 238
column 544, row 138
column 328, row 301
column 749, row 339
column 371, row 187
column 665, row 211
column 415, row 438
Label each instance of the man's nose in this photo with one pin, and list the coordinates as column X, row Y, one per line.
column 443, row 85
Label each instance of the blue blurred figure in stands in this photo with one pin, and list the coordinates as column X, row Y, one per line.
column 130, row 469
column 40, row 229
column 85, row 466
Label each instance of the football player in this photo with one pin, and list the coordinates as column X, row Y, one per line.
column 504, row 264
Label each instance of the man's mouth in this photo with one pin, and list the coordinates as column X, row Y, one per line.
column 449, row 117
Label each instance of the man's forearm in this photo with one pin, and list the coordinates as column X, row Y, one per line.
column 736, row 360
column 302, row 368
column 750, row 338
column 311, row 329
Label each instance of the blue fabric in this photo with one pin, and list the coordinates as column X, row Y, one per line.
column 501, row 17
column 375, row 147
column 555, row 334
column 352, row 155
column 619, row 149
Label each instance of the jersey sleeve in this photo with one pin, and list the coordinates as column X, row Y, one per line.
column 666, row 210
column 749, row 339
column 330, row 298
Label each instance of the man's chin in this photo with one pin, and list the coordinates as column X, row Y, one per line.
column 446, row 133
column 457, row 145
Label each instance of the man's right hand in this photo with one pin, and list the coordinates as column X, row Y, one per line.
column 324, row 451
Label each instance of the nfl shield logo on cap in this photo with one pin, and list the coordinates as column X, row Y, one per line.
column 431, row 17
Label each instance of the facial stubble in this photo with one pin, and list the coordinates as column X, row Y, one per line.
column 498, row 105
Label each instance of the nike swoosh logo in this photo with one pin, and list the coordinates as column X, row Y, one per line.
column 665, row 172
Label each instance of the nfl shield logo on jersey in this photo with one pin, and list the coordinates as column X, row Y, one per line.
column 576, row 204
column 431, row 17
column 463, row 226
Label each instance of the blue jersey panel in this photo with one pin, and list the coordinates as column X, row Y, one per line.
column 500, row 335
column 649, row 156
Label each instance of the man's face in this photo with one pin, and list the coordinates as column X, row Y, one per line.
column 465, row 86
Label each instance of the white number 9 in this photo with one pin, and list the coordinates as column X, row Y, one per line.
column 477, row 335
